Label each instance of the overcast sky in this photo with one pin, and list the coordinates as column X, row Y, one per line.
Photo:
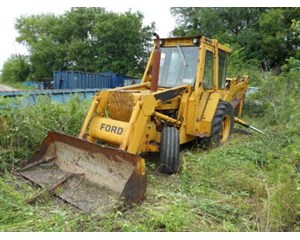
column 154, row 11
column 11, row 9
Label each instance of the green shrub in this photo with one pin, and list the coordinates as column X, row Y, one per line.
column 15, row 69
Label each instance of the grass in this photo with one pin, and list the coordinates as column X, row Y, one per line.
column 250, row 184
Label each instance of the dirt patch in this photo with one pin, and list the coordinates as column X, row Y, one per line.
column 6, row 88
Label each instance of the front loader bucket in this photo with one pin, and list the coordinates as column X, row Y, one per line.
column 87, row 175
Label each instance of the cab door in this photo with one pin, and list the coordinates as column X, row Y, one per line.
column 208, row 77
column 206, row 96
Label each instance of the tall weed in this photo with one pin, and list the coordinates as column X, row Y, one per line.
column 22, row 129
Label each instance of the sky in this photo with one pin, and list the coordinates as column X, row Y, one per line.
column 12, row 9
column 157, row 11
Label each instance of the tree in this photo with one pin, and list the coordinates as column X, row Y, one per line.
column 123, row 43
column 225, row 23
column 279, row 38
column 86, row 39
column 264, row 34
column 41, row 35
column 15, row 69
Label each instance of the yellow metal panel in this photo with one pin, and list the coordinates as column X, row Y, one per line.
column 148, row 136
column 152, row 148
column 102, row 99
column 208, row 41
column 158, row 137
column 148, row 104
column 183, row 103
column 224, row 48
column 88, row 118
column 136, row 142
column 200, row 70
column 201, row 107
column 185, row 41
column 183, row 137
column 129, row 133
column 191, row 108
column 182, row 116
column 193, row 122
column 108, row 129
column 98, row 107
column 170, row 104
column 138, row 125
column 204, row 127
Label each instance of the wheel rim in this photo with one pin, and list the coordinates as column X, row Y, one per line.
column 225, row 131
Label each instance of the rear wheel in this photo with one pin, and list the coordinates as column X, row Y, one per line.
column 169, row 151
column 222, row 125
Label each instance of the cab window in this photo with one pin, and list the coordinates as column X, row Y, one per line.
column 178, row 66
column 222, row 69
column 208, row 82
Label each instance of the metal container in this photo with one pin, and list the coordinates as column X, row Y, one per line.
column 56, row 95
column 80, row 80
column 118, row 80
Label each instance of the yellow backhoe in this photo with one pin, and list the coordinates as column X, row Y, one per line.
column 184, row 96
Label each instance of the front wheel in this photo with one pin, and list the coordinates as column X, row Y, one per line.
column 222, row 125
column 169, row 151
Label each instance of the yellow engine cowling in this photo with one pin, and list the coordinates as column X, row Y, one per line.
column 108, row 130
column 124, row 121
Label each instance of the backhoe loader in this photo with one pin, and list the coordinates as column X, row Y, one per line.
column 184, row 96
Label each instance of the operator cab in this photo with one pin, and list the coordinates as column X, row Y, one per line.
column 180, row 62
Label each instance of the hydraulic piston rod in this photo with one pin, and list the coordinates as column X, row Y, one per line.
column 247, row 125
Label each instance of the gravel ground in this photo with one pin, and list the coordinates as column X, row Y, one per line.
column 7, row 88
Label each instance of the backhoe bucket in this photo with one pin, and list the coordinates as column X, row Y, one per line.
column 90, row 176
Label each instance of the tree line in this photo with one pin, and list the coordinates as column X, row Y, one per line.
column 82, row 39
column 95, row 40
column 267, row 35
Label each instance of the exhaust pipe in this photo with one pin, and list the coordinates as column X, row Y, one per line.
column 156, row 65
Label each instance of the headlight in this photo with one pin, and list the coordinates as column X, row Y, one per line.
column 196, row 41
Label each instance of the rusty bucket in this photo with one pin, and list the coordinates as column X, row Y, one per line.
column 87, row 175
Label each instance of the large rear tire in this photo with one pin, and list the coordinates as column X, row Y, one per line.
column 169, row 151
column 222, row 125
